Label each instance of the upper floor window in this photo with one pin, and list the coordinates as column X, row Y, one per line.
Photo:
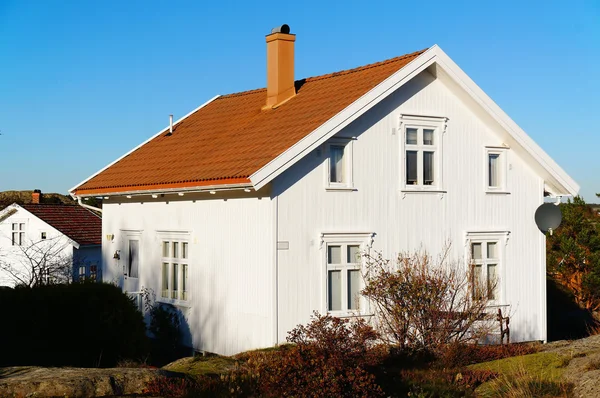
column 422, row 152
column 495, row 169
column 18, row 234
column 339, row 164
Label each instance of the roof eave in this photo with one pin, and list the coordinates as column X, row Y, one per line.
column 72, row 190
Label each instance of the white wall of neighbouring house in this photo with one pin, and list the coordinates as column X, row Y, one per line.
column 32, row 227
column 406, row 221
column 230, row 306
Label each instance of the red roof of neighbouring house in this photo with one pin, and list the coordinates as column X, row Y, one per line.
column 79, row 224
column 231, row 137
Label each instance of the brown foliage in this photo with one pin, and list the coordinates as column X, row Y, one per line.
column 458, row 355
column 329, row 357
column 424, row 303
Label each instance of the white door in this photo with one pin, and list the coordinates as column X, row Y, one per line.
column 131, row 262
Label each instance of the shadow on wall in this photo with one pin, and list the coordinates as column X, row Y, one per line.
column 169, row 330
column 566, row 320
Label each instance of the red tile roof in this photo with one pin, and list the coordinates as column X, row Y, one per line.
column 229, row 139
column 76, row 222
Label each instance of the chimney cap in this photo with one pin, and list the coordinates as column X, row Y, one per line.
column 285, row 28
column 37, row 191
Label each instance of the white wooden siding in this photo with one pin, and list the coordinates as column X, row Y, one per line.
column 33, row 229
column 231, row 247
column 407, row 222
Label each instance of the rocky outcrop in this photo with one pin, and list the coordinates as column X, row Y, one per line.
column 22, row 382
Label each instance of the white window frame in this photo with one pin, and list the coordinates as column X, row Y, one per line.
column 501, row 239
column 502, row 153
column 420, row 122
column 364, row 241
column 180, row 238
column 21, row 229
column 348, row 183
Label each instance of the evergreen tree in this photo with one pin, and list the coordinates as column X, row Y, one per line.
column 573, row 253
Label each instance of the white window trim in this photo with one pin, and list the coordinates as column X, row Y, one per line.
column 365, row 241
column 502, row 151
column 348, row 185
column 21, row 233
column 177, row 236
column 439, row 124
column 502, row 237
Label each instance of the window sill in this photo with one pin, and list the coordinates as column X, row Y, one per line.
column 339, row 189
column 346, row 314
column 176, row 303
column 422, row 190
column 497, row 192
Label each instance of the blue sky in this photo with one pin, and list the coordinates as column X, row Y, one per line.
column 83, row 82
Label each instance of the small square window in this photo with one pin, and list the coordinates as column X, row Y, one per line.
column 43, row 235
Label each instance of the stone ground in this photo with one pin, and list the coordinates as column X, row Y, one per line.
column 583, row 369
column 30, row 381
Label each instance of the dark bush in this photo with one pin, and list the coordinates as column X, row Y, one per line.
column 85, row 325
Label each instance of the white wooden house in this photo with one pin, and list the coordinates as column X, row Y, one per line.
column 46, row 243
column 247, row 212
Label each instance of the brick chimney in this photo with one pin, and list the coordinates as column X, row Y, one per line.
column 35, row 197
column 280, row 66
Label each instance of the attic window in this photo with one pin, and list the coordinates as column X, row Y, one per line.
column 18, row 234
column 495, row 170
column 43, row 235
column 421, row 149
column 339, row 165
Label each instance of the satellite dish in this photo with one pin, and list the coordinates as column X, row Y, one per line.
column 548, row 217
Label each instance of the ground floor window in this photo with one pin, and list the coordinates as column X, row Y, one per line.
column 343, row 273
column 486, row 262
column 174, row 269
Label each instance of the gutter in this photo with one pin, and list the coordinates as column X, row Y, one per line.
column 88, row 206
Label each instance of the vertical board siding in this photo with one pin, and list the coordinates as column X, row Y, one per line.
column 416, row 220
column 230, row 264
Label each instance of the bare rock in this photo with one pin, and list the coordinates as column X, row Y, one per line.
column 21, row 382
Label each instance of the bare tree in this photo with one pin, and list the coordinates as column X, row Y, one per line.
column 38, row 263
column 424, row 303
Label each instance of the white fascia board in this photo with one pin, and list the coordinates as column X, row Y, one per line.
column 141, row 145
column 482, row 99
column 19, row 208
column 331, row 127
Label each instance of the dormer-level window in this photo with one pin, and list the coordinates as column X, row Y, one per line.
column 18, row 234
column 339, row 165
column 422, row 153
column 495, row 170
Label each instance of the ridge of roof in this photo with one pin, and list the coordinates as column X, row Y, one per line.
column 332, row 74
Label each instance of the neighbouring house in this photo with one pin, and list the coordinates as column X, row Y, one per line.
column 247, row 213
column 48, row 243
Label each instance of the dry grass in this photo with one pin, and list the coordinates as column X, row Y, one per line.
column 536, row 375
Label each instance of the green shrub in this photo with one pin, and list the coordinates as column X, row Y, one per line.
column 84, row 324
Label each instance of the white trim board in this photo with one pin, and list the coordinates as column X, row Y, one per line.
column 141, row 145
column 352, row 112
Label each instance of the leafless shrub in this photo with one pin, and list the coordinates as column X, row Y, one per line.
column 36, row 263
column 422, row 302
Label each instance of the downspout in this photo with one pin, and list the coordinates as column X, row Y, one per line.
column 88, row 206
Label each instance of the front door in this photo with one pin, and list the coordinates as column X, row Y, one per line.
column 131, row 262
